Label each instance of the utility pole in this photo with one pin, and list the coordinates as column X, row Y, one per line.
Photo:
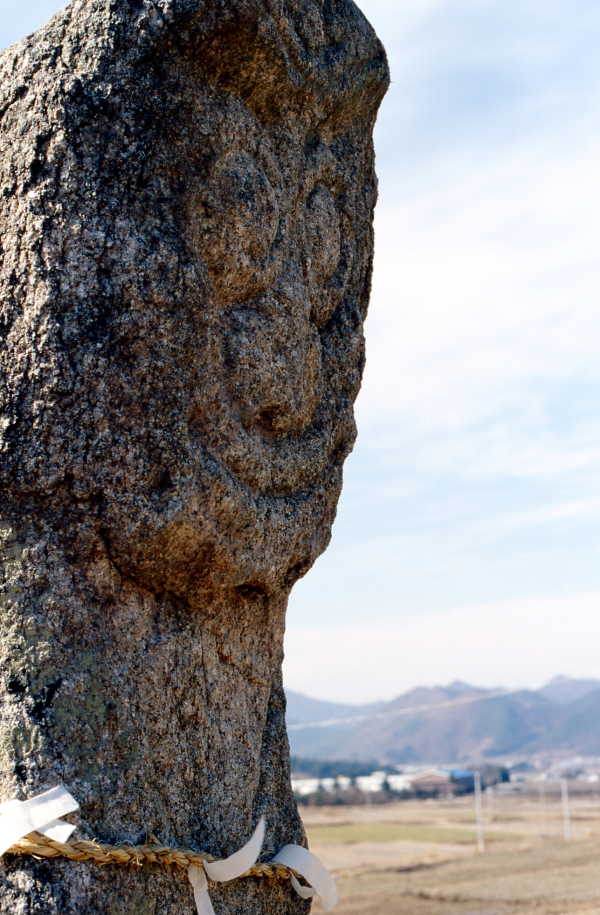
column 479, row 813
column 566, row 812
column 490, row 802
column 542, row 793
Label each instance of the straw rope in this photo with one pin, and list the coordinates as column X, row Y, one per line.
column 135, row 855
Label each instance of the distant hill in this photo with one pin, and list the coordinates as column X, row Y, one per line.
column 578, row 728
column 564, row 690
column 451, row 724
column 302, row 709
column 317, row 742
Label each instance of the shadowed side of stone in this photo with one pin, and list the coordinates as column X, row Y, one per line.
column 186, row 202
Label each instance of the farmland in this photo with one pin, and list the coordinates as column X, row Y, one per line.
column 419, row 857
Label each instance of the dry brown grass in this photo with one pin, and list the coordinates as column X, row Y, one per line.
column 420, row 857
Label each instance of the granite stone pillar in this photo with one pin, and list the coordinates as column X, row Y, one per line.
column 186, row 203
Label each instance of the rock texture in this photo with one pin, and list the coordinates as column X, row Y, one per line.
column 186, row 201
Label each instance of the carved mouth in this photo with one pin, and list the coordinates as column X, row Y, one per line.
column 263, row 459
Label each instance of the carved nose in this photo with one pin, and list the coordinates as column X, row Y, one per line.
column 273, row 359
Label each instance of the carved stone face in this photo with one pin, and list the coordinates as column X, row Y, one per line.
column 214, row 226
column 269, row 234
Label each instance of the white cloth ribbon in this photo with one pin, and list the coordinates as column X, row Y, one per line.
column 299, row 859
column 227, row 869
column 320, row 881
column 42, row 814
column 38, row 814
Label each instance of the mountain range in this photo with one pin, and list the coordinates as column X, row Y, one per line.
column 452, row 724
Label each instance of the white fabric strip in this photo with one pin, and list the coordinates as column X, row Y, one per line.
column 57, row 829
column 19, row 818
column 42, row 814
column 241, row 861
column 227, row 869
column 305, row 891
column 304, row 862
column 197, row 878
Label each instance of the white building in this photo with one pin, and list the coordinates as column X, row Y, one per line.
column 371, row 783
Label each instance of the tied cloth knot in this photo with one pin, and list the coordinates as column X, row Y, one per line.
column 38, row 814
column 42, row 814
column 293, row 857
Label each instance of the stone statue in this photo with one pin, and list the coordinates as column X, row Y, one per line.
column 186, row 202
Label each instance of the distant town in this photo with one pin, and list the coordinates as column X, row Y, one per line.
column 384, row 785
column 431, row 742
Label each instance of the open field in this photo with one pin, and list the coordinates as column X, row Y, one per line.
column 420, row 857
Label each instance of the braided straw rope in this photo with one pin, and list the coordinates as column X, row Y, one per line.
column 82, row 850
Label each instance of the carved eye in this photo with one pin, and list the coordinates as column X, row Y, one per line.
column 238, row 220
column 323, row 234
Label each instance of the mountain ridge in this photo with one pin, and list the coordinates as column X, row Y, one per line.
column 455, row 723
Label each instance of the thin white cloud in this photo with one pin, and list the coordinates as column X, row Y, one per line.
column 551, row 513
column 497, row 280
column 523, row 642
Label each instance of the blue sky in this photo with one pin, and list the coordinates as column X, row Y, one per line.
column 467, row 540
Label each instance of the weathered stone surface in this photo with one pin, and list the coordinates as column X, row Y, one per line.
column 186, row 200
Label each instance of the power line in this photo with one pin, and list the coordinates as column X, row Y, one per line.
column 379, row 716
